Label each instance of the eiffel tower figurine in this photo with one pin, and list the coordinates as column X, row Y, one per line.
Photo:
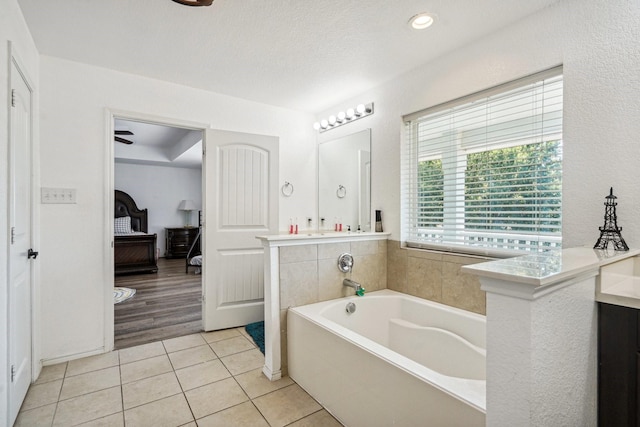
column 611, row 232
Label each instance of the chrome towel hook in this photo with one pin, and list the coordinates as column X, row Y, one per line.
column 341, row 192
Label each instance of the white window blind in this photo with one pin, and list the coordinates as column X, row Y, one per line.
column 483, row 174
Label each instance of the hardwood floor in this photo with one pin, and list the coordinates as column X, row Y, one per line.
column 167, row 304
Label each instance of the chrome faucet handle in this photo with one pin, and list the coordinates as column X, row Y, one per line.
column 345, row 262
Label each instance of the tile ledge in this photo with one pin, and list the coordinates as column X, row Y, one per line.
column 314, row 238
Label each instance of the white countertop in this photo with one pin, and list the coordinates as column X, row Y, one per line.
column 548, row 268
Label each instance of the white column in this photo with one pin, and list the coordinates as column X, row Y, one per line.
column 541, row 355
column 272, row 357
column 542, row 336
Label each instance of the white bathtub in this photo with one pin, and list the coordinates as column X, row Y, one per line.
column 396, row 361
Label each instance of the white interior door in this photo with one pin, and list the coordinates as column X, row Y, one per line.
column 241, row 201
column 19, row 339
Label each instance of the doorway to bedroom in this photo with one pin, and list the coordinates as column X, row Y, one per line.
column 157, row 284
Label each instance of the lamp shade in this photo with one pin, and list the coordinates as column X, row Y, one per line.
column 187, row 205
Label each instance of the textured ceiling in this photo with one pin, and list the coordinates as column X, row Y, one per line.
column 156, row 144
column 299, row 54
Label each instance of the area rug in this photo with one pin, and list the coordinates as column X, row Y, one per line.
column 122, row 294
column 256, row 331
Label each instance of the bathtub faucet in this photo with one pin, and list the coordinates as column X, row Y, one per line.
column 355, row 285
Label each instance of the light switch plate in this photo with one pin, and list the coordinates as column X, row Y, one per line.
column 58, row 195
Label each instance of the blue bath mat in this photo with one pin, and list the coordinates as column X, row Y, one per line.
column 256, row 331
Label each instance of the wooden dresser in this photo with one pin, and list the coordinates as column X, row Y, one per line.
column 179, row 240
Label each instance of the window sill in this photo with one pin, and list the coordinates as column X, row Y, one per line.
column 465, row 251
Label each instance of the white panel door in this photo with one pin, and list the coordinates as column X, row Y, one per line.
column 241, row 202
column 19, row 242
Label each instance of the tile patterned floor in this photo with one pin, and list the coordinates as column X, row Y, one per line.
column 205, row 380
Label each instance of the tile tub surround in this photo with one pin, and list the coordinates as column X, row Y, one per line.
column 214, row 379
column 304, row 268
column 436, row 276
column 309, row 274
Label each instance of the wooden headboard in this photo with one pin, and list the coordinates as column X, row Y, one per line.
column 126, row 206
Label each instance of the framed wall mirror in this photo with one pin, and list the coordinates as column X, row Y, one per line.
column 344, row 182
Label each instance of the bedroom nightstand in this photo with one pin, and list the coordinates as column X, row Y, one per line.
column 179, row 240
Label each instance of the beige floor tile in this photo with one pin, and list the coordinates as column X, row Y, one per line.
column 220, row 335
column 145, row 351
column 42, row 394
column 90, row 382
column 180, row 343
column 92, row 363
column 256, row 384
column 52, row 372
column 211, row 398
column 243, row 362
column 318, row 419
column 232, row 346
column 170, row 412
column 243, row 415
column 191, row 356
column 114, row 420
column 243, row 332
column 149, row 389
column 145, row 368
column 286, row 405
column 37, row 417
column 191, row 424
column 88, row 407
column 201, row 374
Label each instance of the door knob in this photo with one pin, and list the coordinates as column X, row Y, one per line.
column 31, row 254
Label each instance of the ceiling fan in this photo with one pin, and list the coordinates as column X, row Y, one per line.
column 195, row 2
column 123, row 140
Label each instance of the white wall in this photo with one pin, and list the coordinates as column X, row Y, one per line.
column 598, row 44
column 596, row 41
column 160, row 189
column 75, row 151
column 12, row 28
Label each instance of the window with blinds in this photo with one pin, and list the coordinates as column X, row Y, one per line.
column 483, row 174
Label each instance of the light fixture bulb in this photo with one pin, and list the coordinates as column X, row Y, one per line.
column 350, row 113
column 421, row 21
column 344, row 117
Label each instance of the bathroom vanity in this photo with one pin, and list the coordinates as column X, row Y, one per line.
column 618, row 365
column 618, row 296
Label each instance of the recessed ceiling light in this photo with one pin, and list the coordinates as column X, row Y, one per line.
column 421, row 21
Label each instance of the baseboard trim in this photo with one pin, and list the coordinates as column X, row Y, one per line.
column 68, row 357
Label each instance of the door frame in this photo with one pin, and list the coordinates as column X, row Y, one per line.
column 110, row 116
column 14, row 59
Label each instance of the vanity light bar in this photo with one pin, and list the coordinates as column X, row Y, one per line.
column 342, row 118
